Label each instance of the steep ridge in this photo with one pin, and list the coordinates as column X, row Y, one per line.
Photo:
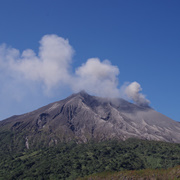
column 82, row 117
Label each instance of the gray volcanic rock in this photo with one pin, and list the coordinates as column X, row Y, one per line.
column 82, row 117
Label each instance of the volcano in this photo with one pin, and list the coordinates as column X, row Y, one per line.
column 83, row 118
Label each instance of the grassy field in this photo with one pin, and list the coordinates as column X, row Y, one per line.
column 146, row 174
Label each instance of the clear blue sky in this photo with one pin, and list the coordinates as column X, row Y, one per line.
column 141, row 38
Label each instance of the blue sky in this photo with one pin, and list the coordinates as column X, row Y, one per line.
column 140, row 39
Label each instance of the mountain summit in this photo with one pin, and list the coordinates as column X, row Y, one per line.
column 82, row 117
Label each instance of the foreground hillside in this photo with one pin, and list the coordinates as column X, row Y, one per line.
column 72, row 160
column 146, row 174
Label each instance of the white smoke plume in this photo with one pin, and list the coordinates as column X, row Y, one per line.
column 52, row 68
column 97, row 77
column 133, row 92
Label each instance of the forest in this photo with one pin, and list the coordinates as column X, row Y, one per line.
column 72, row 160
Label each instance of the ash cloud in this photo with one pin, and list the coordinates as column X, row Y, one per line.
column 52, row 68
column 100, row 78
column 133, row 93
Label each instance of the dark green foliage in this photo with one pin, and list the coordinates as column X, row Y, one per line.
column 69, row 161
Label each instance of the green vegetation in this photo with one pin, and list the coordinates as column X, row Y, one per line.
column 145, row 174
column 71, row 160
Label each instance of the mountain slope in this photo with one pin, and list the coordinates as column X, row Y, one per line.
column 82, row 117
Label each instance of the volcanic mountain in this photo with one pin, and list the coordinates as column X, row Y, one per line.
column 82, row 118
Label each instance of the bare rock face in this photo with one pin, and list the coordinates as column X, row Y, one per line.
column 82, row 118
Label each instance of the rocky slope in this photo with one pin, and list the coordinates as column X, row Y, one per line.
column 82, row 117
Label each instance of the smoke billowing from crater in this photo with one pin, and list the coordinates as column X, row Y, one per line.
column 52, row 69
column 96, row 77
column 133, row 92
